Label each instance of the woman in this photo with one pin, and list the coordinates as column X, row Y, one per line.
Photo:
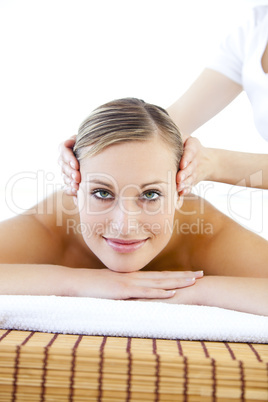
column 240, row 64
column 129, row 216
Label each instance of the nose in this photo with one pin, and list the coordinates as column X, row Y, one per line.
column 124, row 219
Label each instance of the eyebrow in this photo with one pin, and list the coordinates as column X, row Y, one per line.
column 110, row 186
column 154, row 182
column 102, row 183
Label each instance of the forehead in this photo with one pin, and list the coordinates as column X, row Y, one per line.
column 132, row 160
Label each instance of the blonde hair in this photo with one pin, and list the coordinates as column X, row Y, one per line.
column 124, row 120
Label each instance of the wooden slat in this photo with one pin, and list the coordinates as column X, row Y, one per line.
column 47, row 367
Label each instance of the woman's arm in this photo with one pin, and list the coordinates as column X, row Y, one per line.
column 248, row 295
column 46, row 279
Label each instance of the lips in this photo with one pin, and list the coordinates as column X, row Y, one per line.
column 125, row 246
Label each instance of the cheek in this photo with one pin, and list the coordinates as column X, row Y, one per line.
column 90, row 221
column 158, row 218
column 160, row 225
column 89, row 204
column 167, row 227
column 166, row 205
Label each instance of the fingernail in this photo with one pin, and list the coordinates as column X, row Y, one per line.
column 190, row 279
column 73, row 176
column 72, row 165
column 182, row 176
column 171, row 292
column 74, row 191
column 199, row 273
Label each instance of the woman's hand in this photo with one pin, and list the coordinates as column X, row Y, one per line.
column 69, row 166
column 247, row 295
column 104, row 283
column 195, row 165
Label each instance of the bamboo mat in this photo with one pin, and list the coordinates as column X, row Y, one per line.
column 37, row 366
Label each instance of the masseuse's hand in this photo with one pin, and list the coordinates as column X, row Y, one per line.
column 195, row 165
column 107, row 284
column 69, row 166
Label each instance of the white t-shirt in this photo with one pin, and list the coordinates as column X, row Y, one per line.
column 239, row 58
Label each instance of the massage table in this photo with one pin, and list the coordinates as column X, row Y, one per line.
column 38, row 366
column 71, row 350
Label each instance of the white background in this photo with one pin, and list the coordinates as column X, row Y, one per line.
column 59, row 59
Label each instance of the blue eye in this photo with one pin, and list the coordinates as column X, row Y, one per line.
column 102, row 195
column 151, row 196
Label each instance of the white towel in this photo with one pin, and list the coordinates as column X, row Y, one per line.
column 71, row 315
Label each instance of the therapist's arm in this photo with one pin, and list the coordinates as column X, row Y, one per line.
column 207, row 96
column 220, row 165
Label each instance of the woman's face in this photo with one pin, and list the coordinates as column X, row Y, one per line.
column 127, row 199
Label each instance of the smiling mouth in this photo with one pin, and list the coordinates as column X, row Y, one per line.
column 125, row 246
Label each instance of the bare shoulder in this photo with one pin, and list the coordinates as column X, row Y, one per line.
column 218, row 244
column 195, row 224
column 56, row 211
column 38, row 235
column 200, row 217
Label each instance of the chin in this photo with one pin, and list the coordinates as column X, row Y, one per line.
column 123, row 270
column 127, row 266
